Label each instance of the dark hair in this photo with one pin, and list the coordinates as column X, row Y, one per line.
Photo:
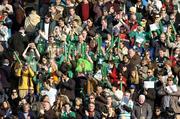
column 48, row 15
column 61, row 18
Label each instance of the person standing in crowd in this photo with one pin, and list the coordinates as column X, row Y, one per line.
column 14, row 100
column 26, row 112
column 5, row 71
column 5, row 110
column 47, row 112
column 3, row 33
column 91, row 112
column 18, row 41
column 67, row 87
column 25, row 74
column 49, row 91
column 170, row 93
column 67, row 112
column 47, row 26
column 142, row 110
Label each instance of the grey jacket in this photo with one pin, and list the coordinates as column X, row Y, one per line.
column 142, row 111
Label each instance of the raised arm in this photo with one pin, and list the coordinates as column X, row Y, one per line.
column 36, row 51
column 25, row 51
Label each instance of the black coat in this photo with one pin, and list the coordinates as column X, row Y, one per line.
column 18, row 42
column 4, row 77
column 68, row 88
column 50, row 114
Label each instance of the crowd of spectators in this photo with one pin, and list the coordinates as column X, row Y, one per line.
column 90, row 59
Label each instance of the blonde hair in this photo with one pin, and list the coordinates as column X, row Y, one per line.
column 134, row 79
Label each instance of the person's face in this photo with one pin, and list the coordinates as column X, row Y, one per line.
column 44, row 60
column 51, row 39
column 71, row 12
column 133, row 17
column 133, row 73
column 53, row 9
column 5, row 105
column 31, row 91
column 74, row 24
column 141, row 99
column 91, row 107
column 89, row 23
column 103, row 22
column 91, row 99
column 46, row 99
column 149, row 72
column 161, row 53
column 177, row 51
column 163, row 11
column 25, row 67
column 78, row 102
column 5, row 2
column 64, row 77
column 92, row 44
column 14, row 92
column 157, row 112
column 84, row 34
column 31, row 52
column 46, row 105
column 26, row 108
column 162, row 37
column 99, row 89
column 61, row 23
column 169, row 82
column 121, row 45
column 47, row 19
column 105, row 12
column 160, row 78
column 132, row 90
column 177, row 38
column 127, row 95
column 80, row 38
column 131, row 53
column 125, row 59
column 157, row 17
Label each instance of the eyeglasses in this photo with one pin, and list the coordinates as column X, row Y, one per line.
column 148, row 72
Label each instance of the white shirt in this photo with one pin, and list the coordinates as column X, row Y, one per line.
column 51, row 93
column 46, row 30
column 4, row 33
